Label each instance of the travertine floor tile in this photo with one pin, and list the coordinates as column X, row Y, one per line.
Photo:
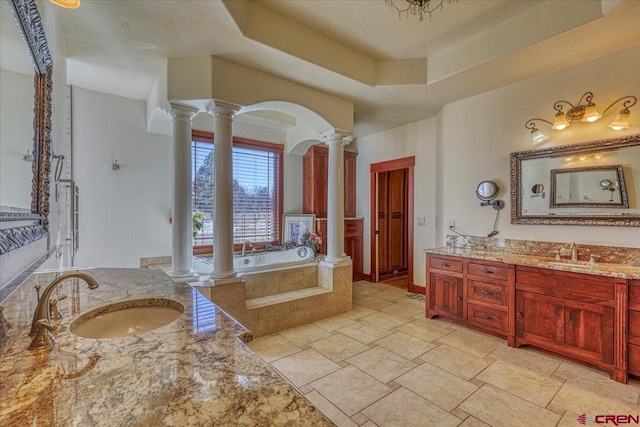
column 528, row 358
column 472, row 342
column 350, row 389
column 304, row 367
column 392, row 296
column 458, row 362
column 580, row 400
column 440, row 387
column 273, row 348
column 360, row 418
column 501, row 409
column 357, row 312
column 597, row 381
column 473, row 422
column 403, row 309
column 332, row 323
column 334, row 414
column 569, row 420
column 424, row 329
column 405, row 345
column 304, row 334
column 364, row 332
column 369, row 302
column 385, row 320
column 381, row 364
column 404, row 408
column 526, row 384
column 339, row 347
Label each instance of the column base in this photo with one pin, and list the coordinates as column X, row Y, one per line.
column 183, row 276
column 213, row 281
column 335, row 263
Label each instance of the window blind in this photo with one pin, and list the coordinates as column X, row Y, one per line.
column 256, row 190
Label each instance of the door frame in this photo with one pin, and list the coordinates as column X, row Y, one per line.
column 387, row 166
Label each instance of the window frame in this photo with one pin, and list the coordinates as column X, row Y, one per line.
column 202, row 136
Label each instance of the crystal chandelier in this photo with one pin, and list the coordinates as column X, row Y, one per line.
column 417, row 7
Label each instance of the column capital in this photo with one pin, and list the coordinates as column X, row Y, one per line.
column 177, row 110
column 337, row 135
column 223, row 109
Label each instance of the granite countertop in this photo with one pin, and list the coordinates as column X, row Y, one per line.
column 196, row 371
column 622, row 271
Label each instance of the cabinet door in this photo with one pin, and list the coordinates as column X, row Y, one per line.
column 575, row 328
column 353, row 247
column 445, row 294
column 349, row 184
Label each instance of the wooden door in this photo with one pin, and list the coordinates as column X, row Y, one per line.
column 392, row 222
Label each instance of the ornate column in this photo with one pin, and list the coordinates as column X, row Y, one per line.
column 181, row 232
column 336, row 140
column 223, row 190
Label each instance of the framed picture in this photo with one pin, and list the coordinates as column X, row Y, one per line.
column 295, row 225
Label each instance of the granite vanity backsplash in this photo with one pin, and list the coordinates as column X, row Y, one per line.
column 606, row 254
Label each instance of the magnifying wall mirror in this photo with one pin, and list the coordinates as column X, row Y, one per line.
column 487, row 191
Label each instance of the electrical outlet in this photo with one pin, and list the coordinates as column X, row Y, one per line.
column 422, row 220
column 452, row 223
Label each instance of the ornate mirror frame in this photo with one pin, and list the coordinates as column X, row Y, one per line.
column 517, row 190
column 37, row 222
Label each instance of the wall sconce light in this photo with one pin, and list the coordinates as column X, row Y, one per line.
column 28, row 157
column 586, row 111
column 67, row 4
column 115, row 166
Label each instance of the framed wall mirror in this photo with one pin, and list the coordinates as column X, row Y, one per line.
column 599, row 166
column 24, row 214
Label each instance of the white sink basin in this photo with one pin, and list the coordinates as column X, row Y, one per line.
column 125, row 318
column 574, row 265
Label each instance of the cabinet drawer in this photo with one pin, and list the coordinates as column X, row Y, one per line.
column 634, row 323
column 569, row 283
column 489, row 317
column 353, row 228
column 485, row 270
column 634, row 293
column 487, row 292
column 445, row 264
column 634, row 359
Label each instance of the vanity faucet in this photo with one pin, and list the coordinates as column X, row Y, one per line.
column 41, row 323
column 244, row 247
column 574, row 251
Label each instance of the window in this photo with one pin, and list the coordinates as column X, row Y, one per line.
column 257, row 189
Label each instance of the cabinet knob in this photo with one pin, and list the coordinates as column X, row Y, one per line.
column 485, row 292
column 484, row 316
column 487, row 271
column 519, row 314
column 459, row 298
column 446, row 265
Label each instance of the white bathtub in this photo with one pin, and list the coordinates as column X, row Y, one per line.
column 263, row 261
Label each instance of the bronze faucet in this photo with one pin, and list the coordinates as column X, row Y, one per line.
column 41, row 324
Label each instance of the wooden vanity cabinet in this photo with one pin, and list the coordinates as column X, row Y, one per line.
column 634, row 327
column 571, row 314
column 469, row 291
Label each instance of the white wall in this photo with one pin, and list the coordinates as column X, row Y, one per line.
column 470, row 141
column 415, row 139
column 124, row 214
column 480, row 132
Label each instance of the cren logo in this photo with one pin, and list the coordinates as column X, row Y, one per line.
column 582, row 419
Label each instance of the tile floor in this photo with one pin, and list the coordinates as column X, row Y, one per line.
column 384, row 364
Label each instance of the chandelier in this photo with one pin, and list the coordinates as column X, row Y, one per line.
column 417, row 7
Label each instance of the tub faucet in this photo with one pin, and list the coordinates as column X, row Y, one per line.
column 244, row 247
column 41, row 323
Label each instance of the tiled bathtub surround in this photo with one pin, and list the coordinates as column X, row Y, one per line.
column 268, row 302
column 607, row 254
column 195, row 371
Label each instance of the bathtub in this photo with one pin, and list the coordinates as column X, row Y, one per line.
column 263, row 261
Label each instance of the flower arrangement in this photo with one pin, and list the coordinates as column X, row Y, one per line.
column 312, row 240
column 198, row 217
